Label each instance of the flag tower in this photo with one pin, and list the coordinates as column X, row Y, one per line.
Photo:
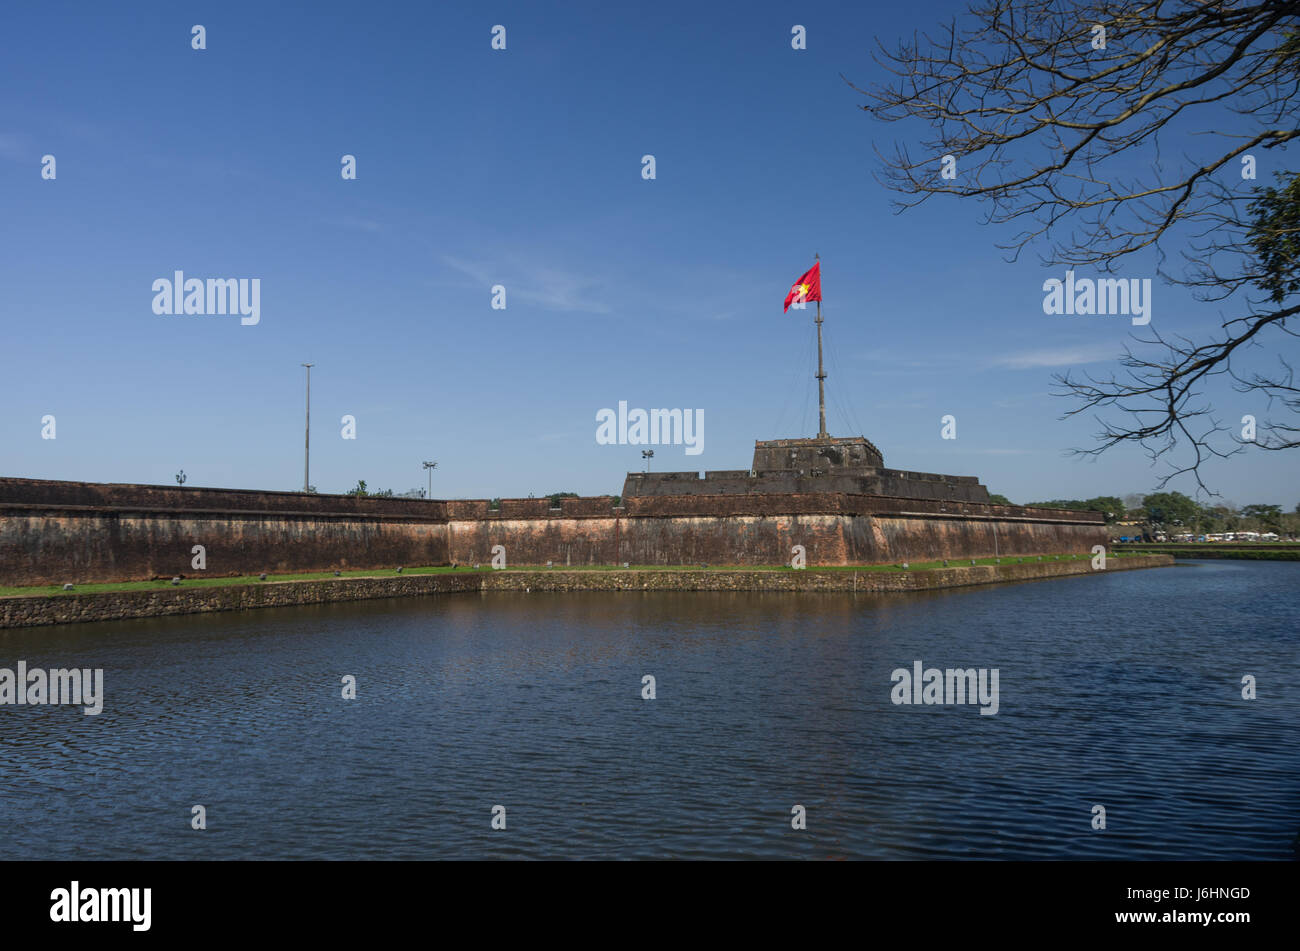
column 809, row 287
column 821, row 372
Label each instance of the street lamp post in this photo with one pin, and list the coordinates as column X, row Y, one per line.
column 647, row 455
column 306, row 463
column 430, row 466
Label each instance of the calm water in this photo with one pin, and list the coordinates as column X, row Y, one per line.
column 1119, row 689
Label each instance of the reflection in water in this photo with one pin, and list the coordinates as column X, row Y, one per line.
column 1120, row 689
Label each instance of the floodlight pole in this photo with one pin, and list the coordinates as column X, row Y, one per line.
column 306, row 463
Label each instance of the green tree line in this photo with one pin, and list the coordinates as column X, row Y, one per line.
column 1174, row 512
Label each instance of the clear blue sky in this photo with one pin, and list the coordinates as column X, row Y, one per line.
column 522, row 167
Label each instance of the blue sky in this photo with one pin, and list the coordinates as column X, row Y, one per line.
column 522, row 168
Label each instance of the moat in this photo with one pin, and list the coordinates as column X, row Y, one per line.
column 1122, row 690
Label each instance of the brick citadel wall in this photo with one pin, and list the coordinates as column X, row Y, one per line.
column 897, row 483
column 835, row 529
column 56, row 532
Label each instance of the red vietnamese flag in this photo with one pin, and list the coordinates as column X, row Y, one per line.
column 808, row 287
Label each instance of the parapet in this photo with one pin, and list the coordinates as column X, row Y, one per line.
column 829, row 455
column 849, row 465
column 45, row 494
column 884, row 482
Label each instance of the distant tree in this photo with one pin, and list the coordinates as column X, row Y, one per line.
column 1107, row 505
column 1269, row 516
column 1214, row 518
column 997, row 499
column 362, row 491
column 556, row 496
column 1168, row 509
column 1073, row 505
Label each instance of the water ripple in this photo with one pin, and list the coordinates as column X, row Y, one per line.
column 1118, row 690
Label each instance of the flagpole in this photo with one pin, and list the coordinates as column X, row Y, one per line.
column 821, row 373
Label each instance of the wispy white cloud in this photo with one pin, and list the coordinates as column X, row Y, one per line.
column 1023, row 399
column 549, row 287
column 1059, row 357
column 905, row 401
column 477, row 272
column 923, row 359
column 917, row 360
column 920, row 451
column 1006, row 452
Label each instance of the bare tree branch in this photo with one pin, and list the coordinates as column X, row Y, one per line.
column 1051, row 109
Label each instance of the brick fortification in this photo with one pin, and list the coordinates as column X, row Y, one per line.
column 56, row 532
column 852, row 466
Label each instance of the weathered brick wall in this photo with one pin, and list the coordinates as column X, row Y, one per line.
column 535, row 541
column 15, row 493
column 524, row 508
column 55, row 532
column 851, row 466
column 889, row 482
column 467, row 508
column 833, row 539
column 52, row 532
column 83, row 547
column 595, row 505
column 842, row 452
column 838, row 503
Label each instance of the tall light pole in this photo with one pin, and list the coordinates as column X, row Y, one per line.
column 306, row 462
column 430, row 466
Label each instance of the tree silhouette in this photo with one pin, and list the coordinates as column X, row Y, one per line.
column 1050, row 108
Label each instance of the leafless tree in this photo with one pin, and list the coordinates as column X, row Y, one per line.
column 1055, row 112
